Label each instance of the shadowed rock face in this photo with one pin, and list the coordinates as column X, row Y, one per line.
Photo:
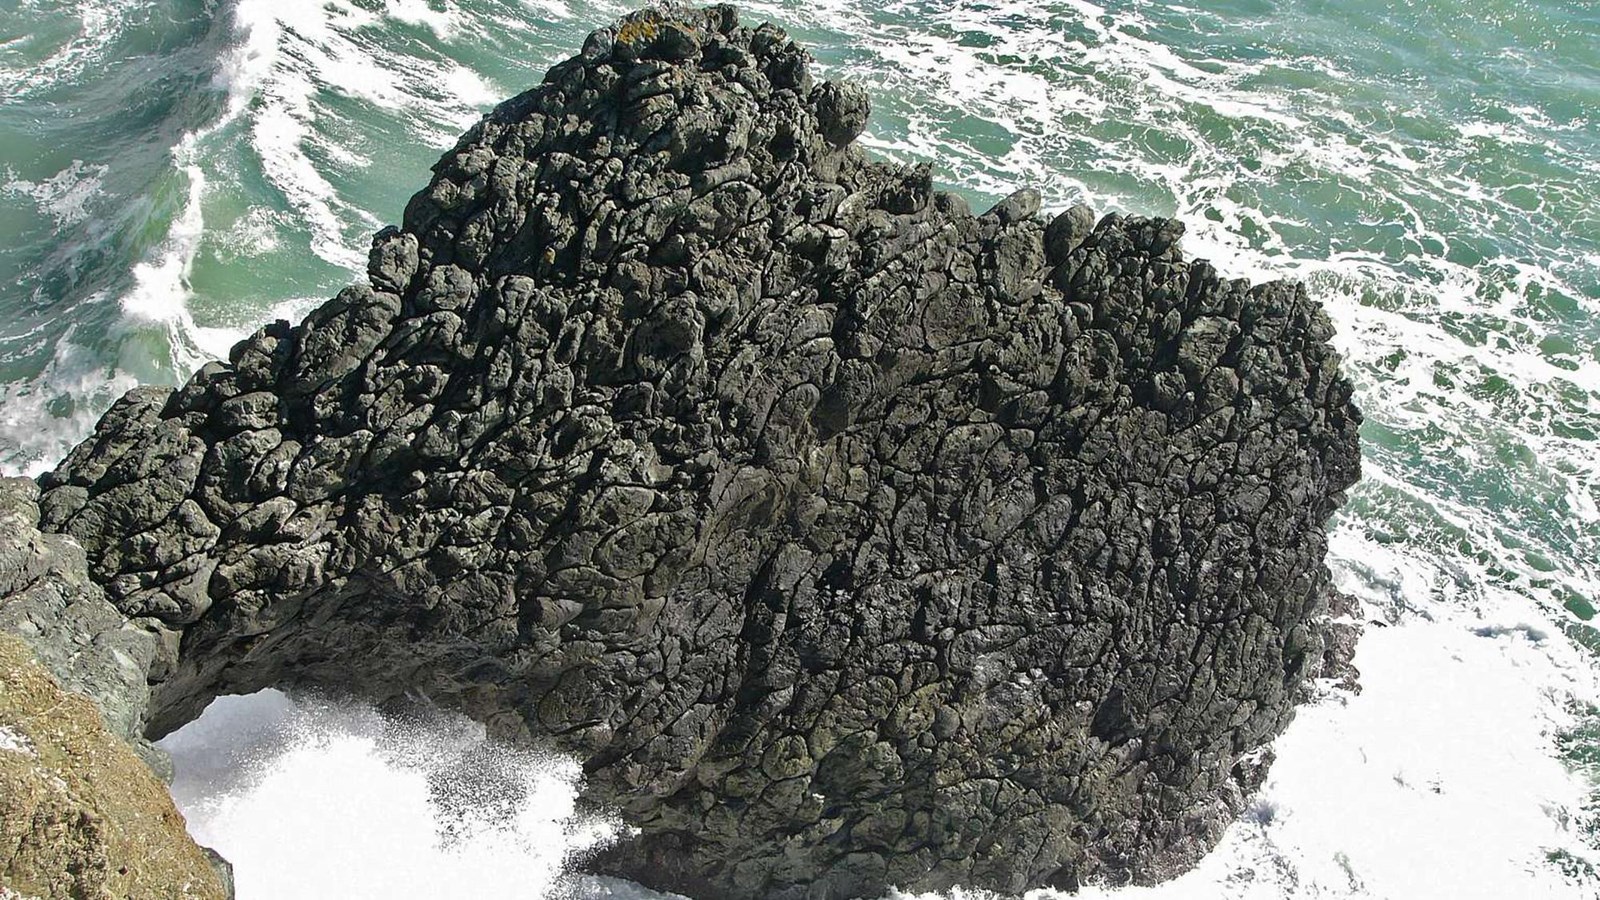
column 850, row 539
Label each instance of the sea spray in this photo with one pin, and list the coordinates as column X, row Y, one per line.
column 318, row 798
column 1377, row 794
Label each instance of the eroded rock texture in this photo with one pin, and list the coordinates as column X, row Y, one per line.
column 48, row 599
column 850, row 538
column 83, row 805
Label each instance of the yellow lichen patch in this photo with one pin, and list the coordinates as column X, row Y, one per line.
column 80, row 814
column 641, row 28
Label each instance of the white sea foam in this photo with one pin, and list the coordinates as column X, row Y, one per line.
column 100, row 22
column 318, row 799
column 64, row 196
column 157, row 300
column 1582, row 501
column 1437, row 780
column 216, row 340
column 283, row 49
column 288, row 57
column 296, row 54
column 1475, row 677
column 161, row 282
column 41, row 416
column 255, row 233
column 443, row 22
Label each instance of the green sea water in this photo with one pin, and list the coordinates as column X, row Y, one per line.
column 173, row 173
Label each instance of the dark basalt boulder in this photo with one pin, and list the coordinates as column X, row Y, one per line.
column 849, row 538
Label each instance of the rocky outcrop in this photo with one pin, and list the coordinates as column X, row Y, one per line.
column 48, row 599
column 850, row 538
column 80, row 814
column 84, row 810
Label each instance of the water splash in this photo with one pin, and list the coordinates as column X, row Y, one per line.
column 314, row 798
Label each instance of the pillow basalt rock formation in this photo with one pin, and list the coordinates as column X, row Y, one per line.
column 850, row 539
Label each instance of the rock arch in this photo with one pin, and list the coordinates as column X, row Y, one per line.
column 850, row 538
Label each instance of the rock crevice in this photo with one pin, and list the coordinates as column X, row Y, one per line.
column 849, row 537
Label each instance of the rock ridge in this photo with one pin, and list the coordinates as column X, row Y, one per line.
column 850, row 539
column 82, row 814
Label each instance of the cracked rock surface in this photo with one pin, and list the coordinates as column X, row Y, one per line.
column 850, row 538
column 48, row 599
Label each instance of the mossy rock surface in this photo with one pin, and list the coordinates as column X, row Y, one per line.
column 81, row 815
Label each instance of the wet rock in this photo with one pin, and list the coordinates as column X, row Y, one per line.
column 1066, row 231
column 850, row 539
column 1018, row 207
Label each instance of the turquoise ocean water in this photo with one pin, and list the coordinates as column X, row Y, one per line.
column 173, row 173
